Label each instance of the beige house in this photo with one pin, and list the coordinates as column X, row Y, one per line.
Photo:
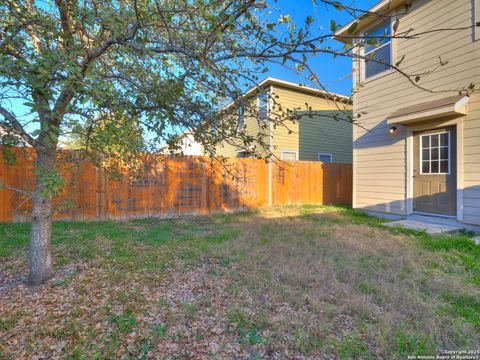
column 187, row 145
column 321, row 132
column 418, row 150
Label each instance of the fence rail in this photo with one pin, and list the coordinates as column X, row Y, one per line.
column 175, row 186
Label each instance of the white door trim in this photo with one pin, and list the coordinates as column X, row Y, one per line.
column 409, row 169
column 459, row 163
column 409, row 151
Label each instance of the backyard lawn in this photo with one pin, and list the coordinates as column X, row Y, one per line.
column 289, row 282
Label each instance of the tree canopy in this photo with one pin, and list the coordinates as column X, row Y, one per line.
column 173, row 62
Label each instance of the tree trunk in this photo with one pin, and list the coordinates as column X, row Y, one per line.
column 41, row 230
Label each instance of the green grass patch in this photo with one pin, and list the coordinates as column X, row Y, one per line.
column 221, row 236
column 247, row 330
column 159, row 332
column 125, row 322
column 13, row 237
column 409, row 344
column 154, row 233
column 7, row 324
column 465, row 306
column 368, row 289
column 352, row 347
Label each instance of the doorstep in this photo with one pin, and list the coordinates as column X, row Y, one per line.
column 431, row 224
column 431, row 229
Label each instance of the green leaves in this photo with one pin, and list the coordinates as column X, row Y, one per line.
column 104, row 76
column 333, row 26
column 339, row 6
column 352, row 28
column 51, row 181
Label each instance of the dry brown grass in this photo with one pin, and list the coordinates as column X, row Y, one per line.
column 352, row 289
column 291, row 282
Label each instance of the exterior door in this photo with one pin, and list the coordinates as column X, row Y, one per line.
column 435, row 172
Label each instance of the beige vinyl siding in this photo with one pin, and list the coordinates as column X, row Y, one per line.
column 309, row 136
column 380, row 158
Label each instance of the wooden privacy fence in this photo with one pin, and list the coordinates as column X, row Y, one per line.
column 175, row 186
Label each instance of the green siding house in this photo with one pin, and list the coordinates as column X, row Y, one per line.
column 319, row 130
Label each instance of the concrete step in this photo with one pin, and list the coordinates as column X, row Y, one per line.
column 430, row 228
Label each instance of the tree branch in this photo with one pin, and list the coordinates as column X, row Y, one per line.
column 12, row 188
column 15, row 126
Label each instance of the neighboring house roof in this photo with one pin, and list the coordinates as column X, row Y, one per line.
column 178, row 138
column 286, row 84
column 295, row 86
column 182, row 135
column 370, row 16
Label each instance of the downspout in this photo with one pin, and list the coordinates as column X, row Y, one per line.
column 356, row 77
column 270, row 149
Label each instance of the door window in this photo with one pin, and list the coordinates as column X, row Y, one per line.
column 435, row 154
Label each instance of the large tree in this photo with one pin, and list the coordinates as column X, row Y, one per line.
column 151, row 63
column 157, row 63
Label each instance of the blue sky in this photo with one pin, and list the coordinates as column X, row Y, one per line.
column 331, row 72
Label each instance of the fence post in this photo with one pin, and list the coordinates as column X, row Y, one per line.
column 270, row 174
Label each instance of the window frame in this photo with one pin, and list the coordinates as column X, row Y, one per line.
column 325, row 154
column 362, row 63
column 241, row 118
column 261, row 120
column 449, row 153
column 186, row 142
column 288, row 151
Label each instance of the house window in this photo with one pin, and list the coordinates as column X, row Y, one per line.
column 186, row 142
column 262, row 107
column 378, row 50
column 325, row 158
column 288, row 155
column 241, row 118
column 435, row 154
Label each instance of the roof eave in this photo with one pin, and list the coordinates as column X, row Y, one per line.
column 279, row 82
column 454, row 109
column 383, row 6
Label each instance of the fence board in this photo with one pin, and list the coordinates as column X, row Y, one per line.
column 174, row 186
